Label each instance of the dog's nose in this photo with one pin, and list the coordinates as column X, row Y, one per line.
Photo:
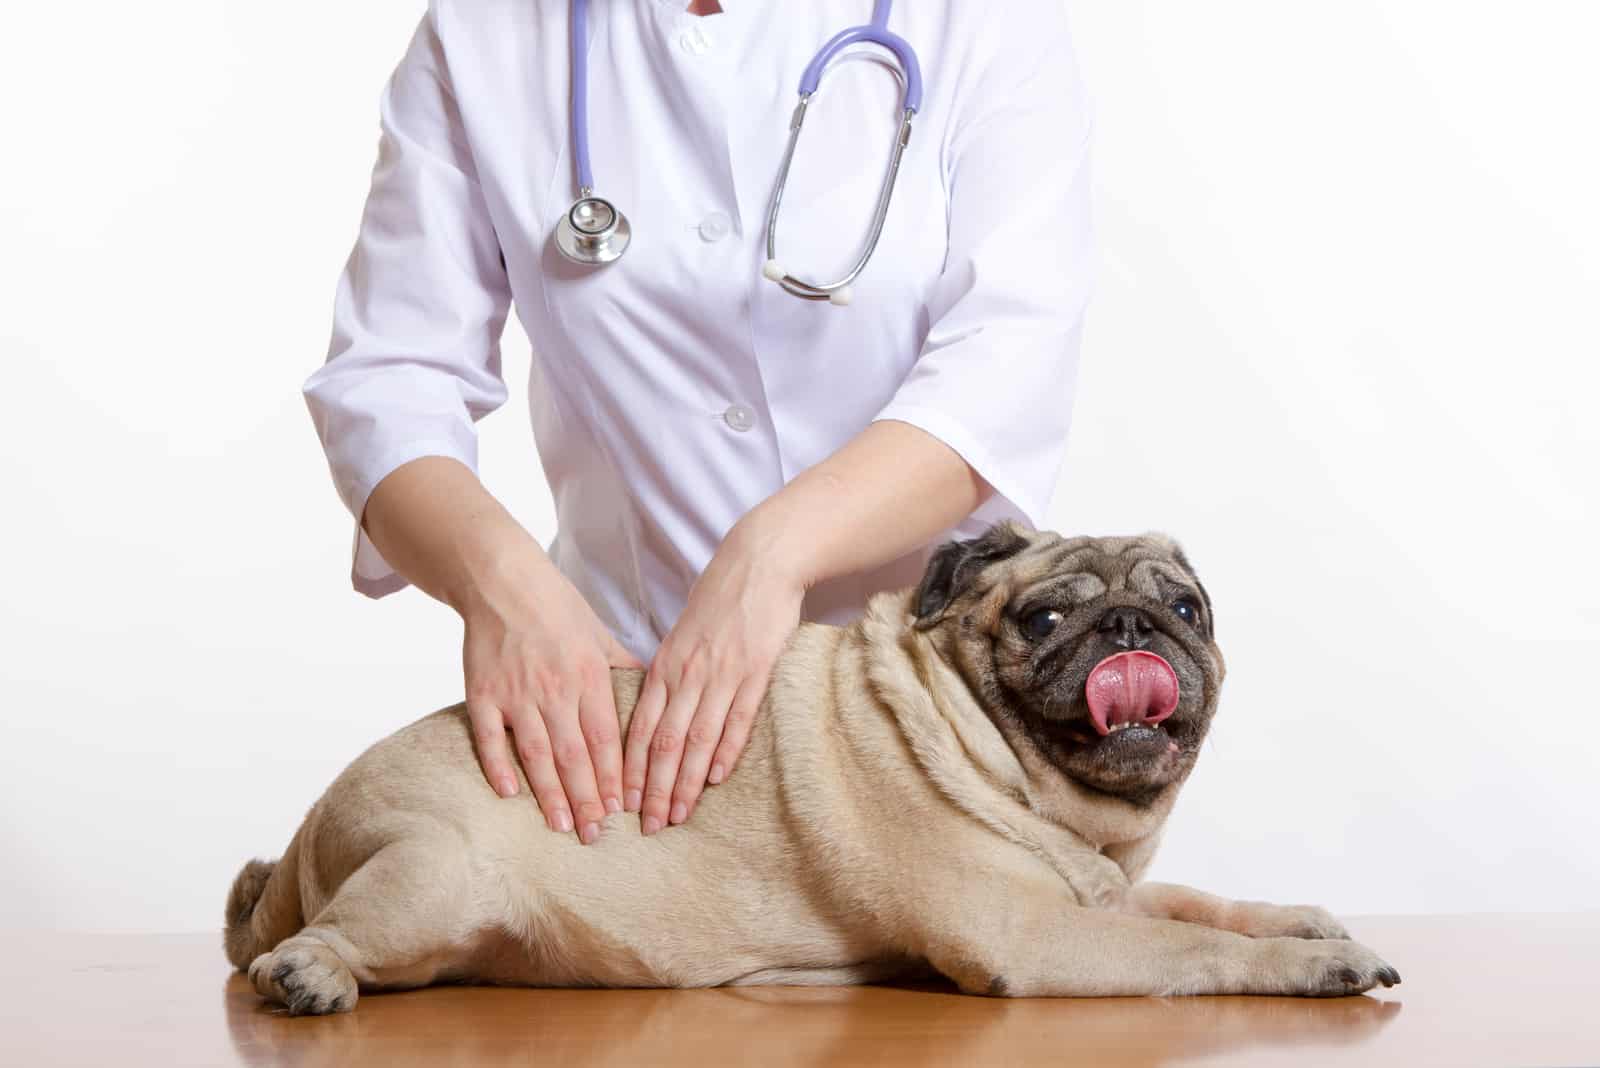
column 1127, row 627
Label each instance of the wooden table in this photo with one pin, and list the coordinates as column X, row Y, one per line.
column 1478, row 990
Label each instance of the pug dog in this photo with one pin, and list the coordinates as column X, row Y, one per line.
column 970, row 779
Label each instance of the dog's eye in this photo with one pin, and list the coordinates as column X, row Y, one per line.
column 1039, row 624
column 1185, row 609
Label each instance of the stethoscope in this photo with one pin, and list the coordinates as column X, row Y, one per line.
column 594, row 232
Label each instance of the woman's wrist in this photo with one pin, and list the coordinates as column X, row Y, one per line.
column 880, row 496
column 778, row 534
column 503, row 571
column 439, row 527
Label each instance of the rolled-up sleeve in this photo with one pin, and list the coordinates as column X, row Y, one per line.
column 414, row 360
column 996, row 376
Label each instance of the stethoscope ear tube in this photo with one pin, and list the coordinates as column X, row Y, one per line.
column 837, row 292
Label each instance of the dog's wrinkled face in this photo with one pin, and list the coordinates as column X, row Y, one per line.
column 1098, row 653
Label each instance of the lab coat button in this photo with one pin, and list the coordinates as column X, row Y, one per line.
column 715, row 227
column 739, row 417
column 696, row 42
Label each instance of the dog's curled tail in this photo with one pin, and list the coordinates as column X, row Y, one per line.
column 263, row 908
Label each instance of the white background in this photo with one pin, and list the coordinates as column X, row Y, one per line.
column 1344, row 347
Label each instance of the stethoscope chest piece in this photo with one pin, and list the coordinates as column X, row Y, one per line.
column 593, row 231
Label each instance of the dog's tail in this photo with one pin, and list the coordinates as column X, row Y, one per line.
column 263, row 907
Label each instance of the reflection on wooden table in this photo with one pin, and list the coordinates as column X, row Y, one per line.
column 1478, row 990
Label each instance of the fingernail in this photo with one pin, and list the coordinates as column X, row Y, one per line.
column 716, row 774
column 563, row 820
column 613, row 806
column 680, row 812
column 652, row 824
column 590, row 834
column 631, row 801
column 508, row 787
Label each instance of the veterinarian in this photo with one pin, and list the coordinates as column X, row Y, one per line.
column 734, row 438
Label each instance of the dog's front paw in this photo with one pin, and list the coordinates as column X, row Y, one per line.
column 1259, row 919
column 1322, row 968
column 306, row 977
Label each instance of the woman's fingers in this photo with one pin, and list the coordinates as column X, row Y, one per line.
column 541, row 668
column 636, row 754
column 630, row 788
column 700, row 741
column 494, row 754
column 533, row 752
column 571, row 755
column 597, row 719
column 741, row 718
column 666, row 754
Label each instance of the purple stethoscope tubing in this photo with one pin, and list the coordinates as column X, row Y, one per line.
column 580, row 93
column 876, row 32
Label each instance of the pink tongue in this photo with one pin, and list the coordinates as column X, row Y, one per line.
column 1132, row 687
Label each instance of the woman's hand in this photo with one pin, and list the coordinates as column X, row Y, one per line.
column 538, row 672
column 700, row 695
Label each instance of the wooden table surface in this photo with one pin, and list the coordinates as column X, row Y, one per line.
column 1478, row 990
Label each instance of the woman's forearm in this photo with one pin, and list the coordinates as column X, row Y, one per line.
column 884, row 493
column 439, row 527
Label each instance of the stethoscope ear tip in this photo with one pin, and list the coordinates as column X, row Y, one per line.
column 773, row 271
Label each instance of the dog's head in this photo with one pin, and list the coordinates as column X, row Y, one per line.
column 1098, row 653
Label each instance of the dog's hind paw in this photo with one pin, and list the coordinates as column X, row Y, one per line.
column 306, row 977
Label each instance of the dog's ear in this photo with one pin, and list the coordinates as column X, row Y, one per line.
column 955, row 564
column 938, row 581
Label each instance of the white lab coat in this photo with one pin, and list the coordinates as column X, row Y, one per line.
column 676, row 388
